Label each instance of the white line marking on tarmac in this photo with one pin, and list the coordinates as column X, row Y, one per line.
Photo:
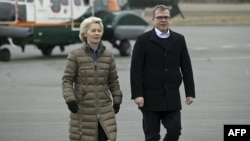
column 228, row 46
column 200, row 48
column 222, row 58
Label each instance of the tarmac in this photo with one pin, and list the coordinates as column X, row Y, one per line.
column 32, row 107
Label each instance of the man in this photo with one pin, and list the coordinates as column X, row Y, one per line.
column 160, row 62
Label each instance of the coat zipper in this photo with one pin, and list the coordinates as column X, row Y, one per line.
column 97, row 100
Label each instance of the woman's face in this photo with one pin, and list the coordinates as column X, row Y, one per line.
column 94, row 33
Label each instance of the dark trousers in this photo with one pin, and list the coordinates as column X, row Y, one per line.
column 152, row 123
column 101, row 134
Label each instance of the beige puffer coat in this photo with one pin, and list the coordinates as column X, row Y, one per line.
column 95, row 86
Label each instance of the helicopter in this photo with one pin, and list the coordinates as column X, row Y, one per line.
column 47, row 24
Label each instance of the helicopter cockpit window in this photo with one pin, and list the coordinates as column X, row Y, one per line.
column 7, row 11
column 65, row 2
column 77, row 2
column 22, row 12
column 86, row 2
column 55, row 5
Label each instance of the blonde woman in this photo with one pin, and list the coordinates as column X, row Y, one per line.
column 91, row 88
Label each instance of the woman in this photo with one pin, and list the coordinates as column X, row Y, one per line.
column 91, row 88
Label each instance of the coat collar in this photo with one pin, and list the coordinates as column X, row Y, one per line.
column 160, row 34
column 101, row 49
column 171, row 39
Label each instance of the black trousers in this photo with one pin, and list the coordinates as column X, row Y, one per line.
column 152, row 123
column 101, row 134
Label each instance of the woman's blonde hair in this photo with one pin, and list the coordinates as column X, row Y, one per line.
column 85, row 26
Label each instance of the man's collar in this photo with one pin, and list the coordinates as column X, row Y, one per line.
column 160, row 34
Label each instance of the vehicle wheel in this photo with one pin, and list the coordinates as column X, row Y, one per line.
column 4, row 54
column 124, row 47
column 46, row 51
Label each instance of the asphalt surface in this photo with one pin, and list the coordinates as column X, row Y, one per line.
column 32, row 107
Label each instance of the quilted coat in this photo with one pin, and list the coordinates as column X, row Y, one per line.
column 94, row 85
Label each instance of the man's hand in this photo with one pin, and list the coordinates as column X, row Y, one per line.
column 189, row 100
column 139, row 101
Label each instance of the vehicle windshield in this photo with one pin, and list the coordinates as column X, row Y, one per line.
column 7, row 12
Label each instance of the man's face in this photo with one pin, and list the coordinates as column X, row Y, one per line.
column 161, row 20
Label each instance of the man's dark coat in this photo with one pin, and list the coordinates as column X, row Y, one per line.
column 157, row 71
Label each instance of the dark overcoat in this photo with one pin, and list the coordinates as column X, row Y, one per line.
column 157, row 71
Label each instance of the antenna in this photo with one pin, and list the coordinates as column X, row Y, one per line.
column 92, row 7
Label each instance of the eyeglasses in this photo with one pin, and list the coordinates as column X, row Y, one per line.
column 162, row 17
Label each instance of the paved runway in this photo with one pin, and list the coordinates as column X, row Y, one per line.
column 32, row 107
